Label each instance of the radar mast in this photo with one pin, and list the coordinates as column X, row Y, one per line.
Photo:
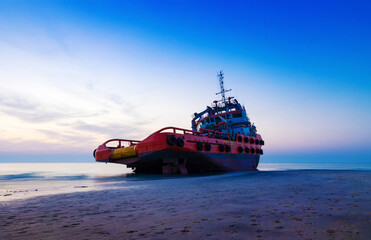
column 221, row 82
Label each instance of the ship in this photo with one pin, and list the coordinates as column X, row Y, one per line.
column 222, row 139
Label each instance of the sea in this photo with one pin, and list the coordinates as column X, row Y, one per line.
column 25, row 180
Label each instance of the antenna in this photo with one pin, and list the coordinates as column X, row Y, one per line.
column 221, row 82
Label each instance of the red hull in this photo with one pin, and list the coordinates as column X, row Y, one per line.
column 194, row 162
column 158, row 154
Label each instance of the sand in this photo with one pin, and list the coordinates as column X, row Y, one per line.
column 245, row 205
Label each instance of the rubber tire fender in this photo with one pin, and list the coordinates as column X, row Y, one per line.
column 240, row 149
column 227, row 148
column 207, row 146
column 247, row 150
column 94, row 152
column 251, row 141
column 200, row 146
column 180, row 142
column 221, row 147
column 246, row 139
column 239, row 138
column 171, row 140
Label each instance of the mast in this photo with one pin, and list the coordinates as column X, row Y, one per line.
column 221, row 82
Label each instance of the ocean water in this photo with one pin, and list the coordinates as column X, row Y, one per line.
column 24, row 180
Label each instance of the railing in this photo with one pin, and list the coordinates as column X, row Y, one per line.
column 132, row 142
column 181, row 130
column 202, row 132
column 216, row 134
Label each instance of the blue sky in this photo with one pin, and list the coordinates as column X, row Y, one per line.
column 75, row 73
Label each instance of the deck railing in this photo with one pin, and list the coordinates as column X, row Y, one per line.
column 131, row 142
column 202, row 132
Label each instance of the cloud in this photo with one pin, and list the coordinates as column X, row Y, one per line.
column 66, row 136
column 55, row 126
column 20, row 108
column 36, row 112
column 114, row 130
column 37, row 146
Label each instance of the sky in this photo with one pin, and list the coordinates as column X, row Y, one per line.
column 76, row 73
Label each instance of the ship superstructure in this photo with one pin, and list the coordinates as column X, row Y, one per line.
column 225, row 115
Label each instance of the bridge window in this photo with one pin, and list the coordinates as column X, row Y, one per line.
column 237, row 115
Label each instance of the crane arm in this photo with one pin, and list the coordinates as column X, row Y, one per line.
column 198, row 115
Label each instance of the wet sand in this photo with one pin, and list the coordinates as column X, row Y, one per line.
column 245, row 205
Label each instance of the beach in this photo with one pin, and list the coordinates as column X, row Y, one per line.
column 296, row 204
